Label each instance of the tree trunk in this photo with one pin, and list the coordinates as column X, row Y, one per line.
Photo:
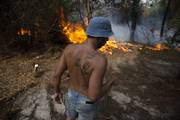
column 80, row 13
column 134, row 17
column 164, row 18
column 88, row 10
column 177, row 33
column 133, row 28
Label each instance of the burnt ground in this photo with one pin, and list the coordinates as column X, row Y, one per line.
column 147, row 87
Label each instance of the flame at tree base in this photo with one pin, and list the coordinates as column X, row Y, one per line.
column 76, row 34
column 24, row 31
column 159, row 47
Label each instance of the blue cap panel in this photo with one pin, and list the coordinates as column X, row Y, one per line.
column 99, row 27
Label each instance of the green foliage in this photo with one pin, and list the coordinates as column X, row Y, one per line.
column 175, row 22
column 149, row 41
column 169, row 42
column 174, row 13
column 134, row 8
column 175, row 19
column 155, row 6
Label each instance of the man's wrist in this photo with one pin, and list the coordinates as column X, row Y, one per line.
column 57, row 90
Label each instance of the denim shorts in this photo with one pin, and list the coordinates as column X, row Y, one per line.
column 79, row 106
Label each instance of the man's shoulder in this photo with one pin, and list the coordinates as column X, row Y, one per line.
column 100, row 59
column 68, row 47
column 95, row 56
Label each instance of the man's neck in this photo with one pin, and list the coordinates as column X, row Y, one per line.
column 91, row 43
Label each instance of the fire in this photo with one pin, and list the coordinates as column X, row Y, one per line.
column 76, row 34
column 24, row 31
column 109, row 46
column 124, row 47
column 159, row 47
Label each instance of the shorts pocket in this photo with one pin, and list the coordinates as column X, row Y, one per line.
column 86, row 107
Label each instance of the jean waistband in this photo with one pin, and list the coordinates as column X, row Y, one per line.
column 82, row 98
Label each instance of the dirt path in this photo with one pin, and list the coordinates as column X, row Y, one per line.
column 147, row 87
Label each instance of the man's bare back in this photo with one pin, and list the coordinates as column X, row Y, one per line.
column 86, row 67
column 81, row 61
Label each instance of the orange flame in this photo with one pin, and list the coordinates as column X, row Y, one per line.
column 24, row 31
column 76, row 34
column 159, row 47
column 109, row 46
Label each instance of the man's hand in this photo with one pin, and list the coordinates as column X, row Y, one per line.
column 108, row 85
column 58, row 97
column 111, row 82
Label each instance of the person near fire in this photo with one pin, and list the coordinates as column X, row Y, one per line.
column 86, row 66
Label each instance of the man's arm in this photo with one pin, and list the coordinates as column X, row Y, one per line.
column 58, row 71
column 96, row 88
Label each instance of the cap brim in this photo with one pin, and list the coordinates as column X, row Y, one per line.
column 99, row 33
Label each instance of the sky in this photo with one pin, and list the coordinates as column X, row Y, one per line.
column 144, row 1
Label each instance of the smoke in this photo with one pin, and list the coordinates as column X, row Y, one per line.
column 121, row 32
column 147, row 30
column 119, row 25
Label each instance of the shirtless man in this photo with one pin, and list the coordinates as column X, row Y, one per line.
column 86, row 67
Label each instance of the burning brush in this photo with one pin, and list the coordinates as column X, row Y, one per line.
column 24, row 32
column 76, row 34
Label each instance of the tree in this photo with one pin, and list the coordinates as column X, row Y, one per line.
column 88, row 9
column 135, row 14
column 165, row 17
column 174, row 20
column 131, row 11
column 36, row 15
column 171, row 17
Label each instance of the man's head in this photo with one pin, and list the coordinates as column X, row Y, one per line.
column 98, row 41
column 100, row 29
